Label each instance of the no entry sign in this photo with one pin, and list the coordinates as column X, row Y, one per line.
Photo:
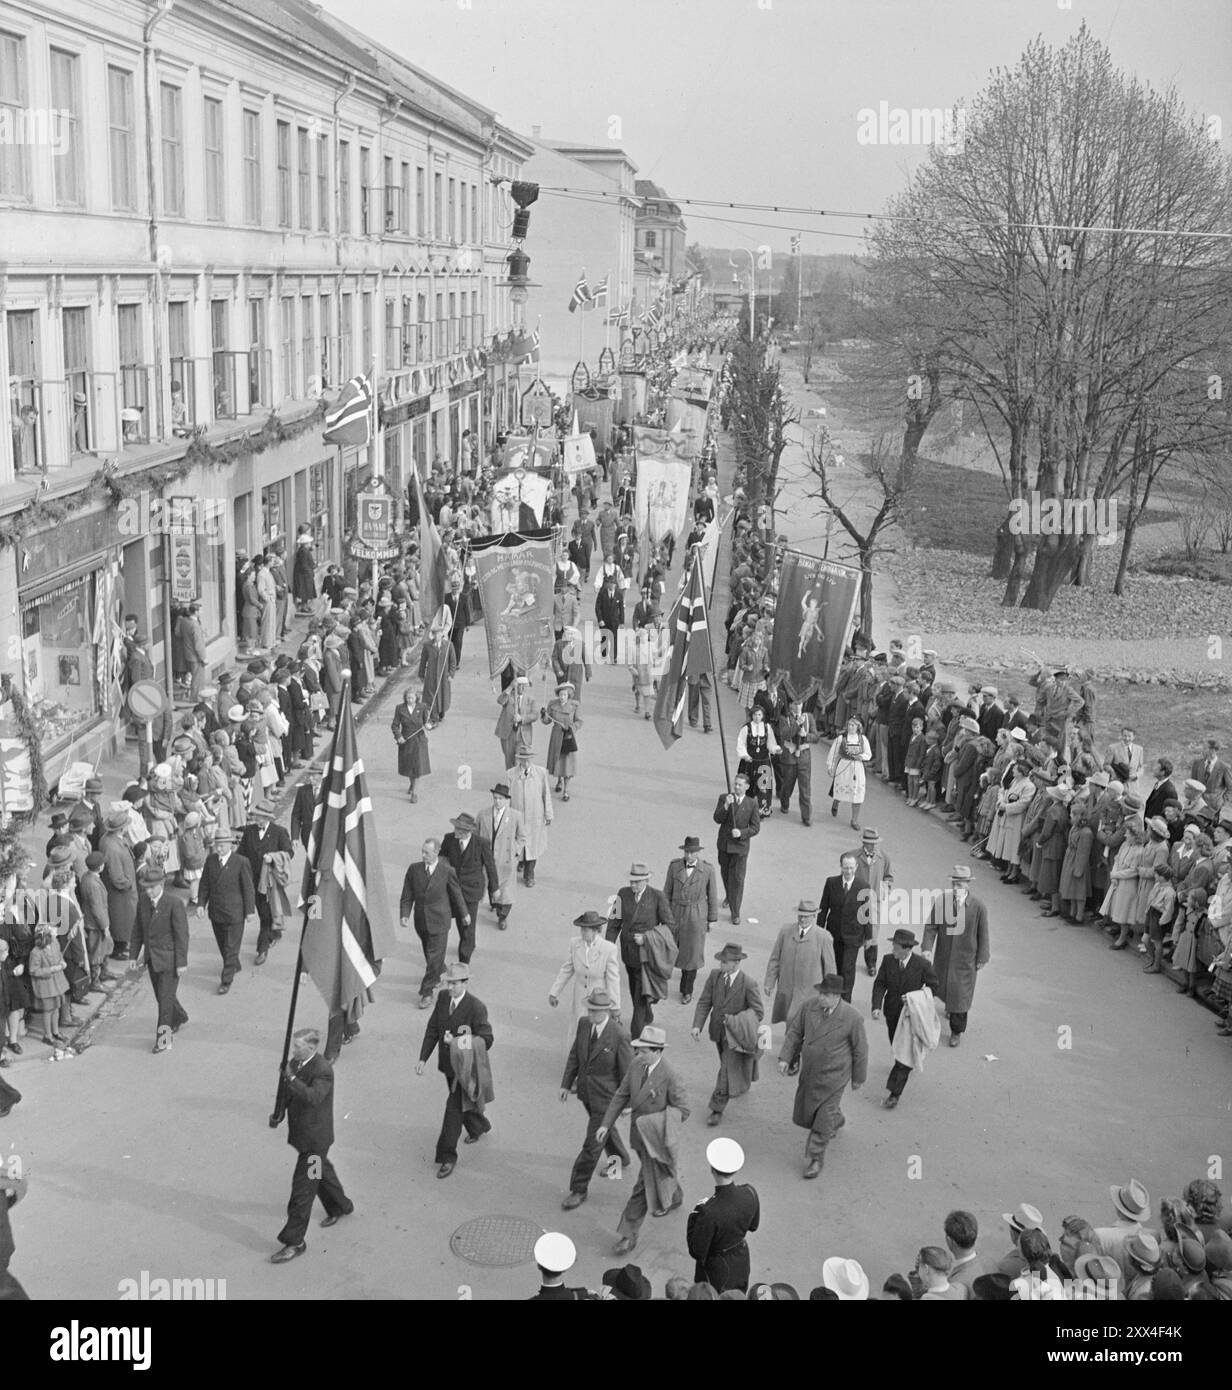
column 146, row 700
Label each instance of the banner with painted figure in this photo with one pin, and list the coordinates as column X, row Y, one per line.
column 812, row 619
column 662, row 499
column 577, row 453
column 519, row 500
column 689, row 420
column 515, row 581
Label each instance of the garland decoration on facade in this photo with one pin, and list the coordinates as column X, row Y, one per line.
column 32, row 735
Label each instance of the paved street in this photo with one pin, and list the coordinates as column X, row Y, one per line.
column 1076, row 1070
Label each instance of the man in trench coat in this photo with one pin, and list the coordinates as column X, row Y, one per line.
column 956, row 941
column 693, row 896
column 530, row 795
column 827, row 1037
column 502, row 827
column 803, row 955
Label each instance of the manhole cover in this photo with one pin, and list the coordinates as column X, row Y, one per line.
column 498, row 1241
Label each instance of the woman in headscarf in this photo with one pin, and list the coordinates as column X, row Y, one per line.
column 756, row 745
column 563, row 717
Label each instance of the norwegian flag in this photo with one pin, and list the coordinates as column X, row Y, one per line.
column 347, row 927
column 350, row 420
column 599, row 294
column 619, row 316
column 691, row 657
column 581, row 298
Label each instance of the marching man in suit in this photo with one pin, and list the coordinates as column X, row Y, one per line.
column 649, row 1087
column 598, row 1062
column 162, row 928
column 873, row 872
column 728, row 991
column 642, row 922
column 309, row 1083
column 227, row 893
column 901, row 972
column 958, row 929
column 262, row 837
column 458, row 1015
column 803, row 955
column 502, row 827
column 844, row 914
column 738, row 820
column 430, row 890
column 718, row 1226
column 470, row 857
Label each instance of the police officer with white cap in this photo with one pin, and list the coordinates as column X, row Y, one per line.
column 718, row 1226
column 555, row 1254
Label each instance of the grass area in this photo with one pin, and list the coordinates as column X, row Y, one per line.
column 1170, row 722
column 1213, row 567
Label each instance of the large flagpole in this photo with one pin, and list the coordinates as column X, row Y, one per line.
column 714, row 679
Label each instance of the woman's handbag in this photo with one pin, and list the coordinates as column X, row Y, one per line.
column 568, row 742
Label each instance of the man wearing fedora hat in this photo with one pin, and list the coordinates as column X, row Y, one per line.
column 844, row 915
column 1133, row 1207
column 738, row 819
column 648, row 1088
column 733, row 1005
column 226, row 894
column 625, row 1285
column 597, row 1063
column 470, row 857
column 458, row 1015
column 693, row 896
column 845, row 1279
column 956, row 941
column 263, row 837
column 515, row 728
column 718, row 1226
column 503, row 828
column 530, row 795
column 641, row 921
column 161, row 927
column 803, row 954
column 873, row 872
column 1023, row 1218
column 827, row 1038
column 592, row 963
column 430, row 891
column 902, row 972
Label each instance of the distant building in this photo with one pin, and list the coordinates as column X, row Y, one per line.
column 659, row 254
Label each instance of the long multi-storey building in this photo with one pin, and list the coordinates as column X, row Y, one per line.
column 211, row 215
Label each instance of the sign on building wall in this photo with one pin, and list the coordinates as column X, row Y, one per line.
column 182, row 566
column 374, row 538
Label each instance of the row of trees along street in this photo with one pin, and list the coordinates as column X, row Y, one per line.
column 1065, row 271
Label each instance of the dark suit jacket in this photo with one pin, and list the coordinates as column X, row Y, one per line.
column 259, row 840
column 473, row 865
column 227, row 892
column 647, row 1094
column 718, row 1001
column 1166, row 791
column 716, row 1230
column 434, row 897
column 598, row 1068
column 650, row 911
column 557, row 1293
column 840, row 911
column 163, row 931
column 1218, row 781
column 894, row 980
column 471, row 1011
column 741, row 815
column 310, row 1107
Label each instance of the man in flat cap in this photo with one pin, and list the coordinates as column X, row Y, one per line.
column 161, row 928
column 956, row 941
column 733, row 1005
column 718, row 1226
column 597, row 1063
column 902, row 972
column 827, row 1037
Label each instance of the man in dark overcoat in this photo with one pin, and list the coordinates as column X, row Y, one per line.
column 693, row 896
column 956, row 940
column 641, row 921
column 432, row 893
column 470, row 857
column 901, row 972
column 161, row 928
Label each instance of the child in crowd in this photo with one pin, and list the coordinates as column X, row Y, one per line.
column 48, row 983
column 930, row 770
column 1160, row 909
column 1185, row 952
column 914, row 762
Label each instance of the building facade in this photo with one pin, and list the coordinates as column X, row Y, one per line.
column 660, row 243
column 589, row 226
column 214, row 216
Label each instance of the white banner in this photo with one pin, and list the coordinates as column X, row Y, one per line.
column 710, row 554
column 689, row 420
column 579, row 453
column 662, row 497
column 508, row 493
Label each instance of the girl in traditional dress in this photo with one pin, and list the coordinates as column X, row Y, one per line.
column 849, row 755
column 562, row 714
column 755, row 746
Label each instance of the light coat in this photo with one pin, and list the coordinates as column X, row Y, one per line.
column 1013, row 802
column 694, row 900
column 796, row 967
column 587, row 968
column 507, row 845
column 530, row 795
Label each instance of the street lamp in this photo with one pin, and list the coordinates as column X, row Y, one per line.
column 519, row 284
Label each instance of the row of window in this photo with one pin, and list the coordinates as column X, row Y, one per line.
column 303, row 185
column 316, row 352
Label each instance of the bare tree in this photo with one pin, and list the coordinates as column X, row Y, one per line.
column 759, row 419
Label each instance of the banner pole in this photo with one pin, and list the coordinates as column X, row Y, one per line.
column 714, row 679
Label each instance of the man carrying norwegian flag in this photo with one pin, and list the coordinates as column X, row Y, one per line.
column 691, row 658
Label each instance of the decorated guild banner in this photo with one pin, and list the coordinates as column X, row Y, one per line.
column 594, row 413
column 685, row 418
column 662, row 496
column 578, row 453
column 813, row 616
column 516, row 453
column 516, row 584
column 518, row 501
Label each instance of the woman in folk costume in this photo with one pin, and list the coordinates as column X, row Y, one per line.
column 563, row 717
column 750, row 668
column 591, row 963
column 437, row 664
column 409, row 730
column 756, row 744
column 1013, row 798
column 849, row 755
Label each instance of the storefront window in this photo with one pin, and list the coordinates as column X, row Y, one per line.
column 58, row 659
column 320, row 495
column 273, row 512
column 211, row 585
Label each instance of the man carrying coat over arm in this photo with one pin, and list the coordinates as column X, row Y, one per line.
column 430, row 890
column 729, row 992
column 641, row 921
column 458, row 1024
column 901, row 972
